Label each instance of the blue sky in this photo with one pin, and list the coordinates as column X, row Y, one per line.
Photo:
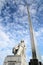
column 14, row 26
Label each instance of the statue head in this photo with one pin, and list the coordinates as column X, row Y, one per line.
column 22, row 41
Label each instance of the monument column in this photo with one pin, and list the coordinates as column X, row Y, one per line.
column 34, row 60
column 31, row 36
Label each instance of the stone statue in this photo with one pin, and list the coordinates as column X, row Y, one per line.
column 19, row 57
column 19, row 49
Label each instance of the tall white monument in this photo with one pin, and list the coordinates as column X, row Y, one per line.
column 34, row 60
column 32, row 36
column 19, row 57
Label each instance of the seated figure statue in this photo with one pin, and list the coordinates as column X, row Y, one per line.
column 19, row 49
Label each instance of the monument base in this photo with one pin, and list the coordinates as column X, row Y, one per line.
column 14, row 60
column 34, row 62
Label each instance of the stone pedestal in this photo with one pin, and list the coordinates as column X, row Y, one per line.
column 34, row 62
column 14, row 60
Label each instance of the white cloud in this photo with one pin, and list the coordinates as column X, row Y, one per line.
column 5, row 40
column 4, row 36
column 22, row 8
column 39, row 32
column 2, row 2
column 41, row 7
column 32, row 10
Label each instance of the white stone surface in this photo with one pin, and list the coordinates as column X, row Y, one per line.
column 19, row 57
column 14, row 60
